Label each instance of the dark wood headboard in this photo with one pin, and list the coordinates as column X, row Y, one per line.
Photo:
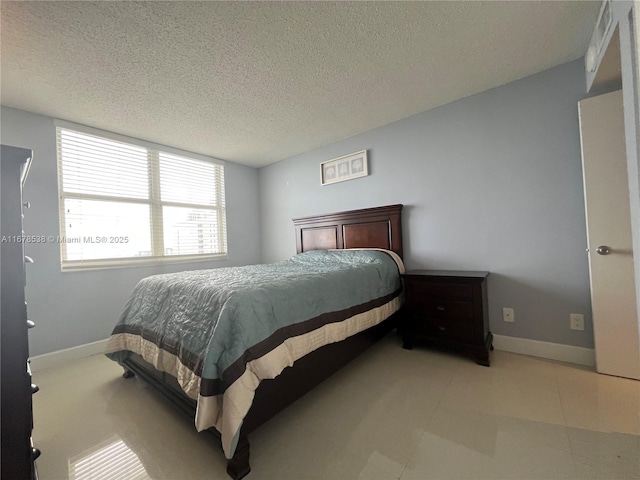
column 378, row 227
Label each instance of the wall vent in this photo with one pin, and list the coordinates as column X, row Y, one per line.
column 603, row 25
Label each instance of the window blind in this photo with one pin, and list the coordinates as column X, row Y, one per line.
column 122, row 203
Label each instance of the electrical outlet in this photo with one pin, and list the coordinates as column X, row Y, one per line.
column 576, row 321
column 508, row 314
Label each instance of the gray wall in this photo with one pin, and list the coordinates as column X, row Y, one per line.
column 491, row 182
column 75, row 308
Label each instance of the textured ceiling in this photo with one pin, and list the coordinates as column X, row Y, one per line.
column 256, row 82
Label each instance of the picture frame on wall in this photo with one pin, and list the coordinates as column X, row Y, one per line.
column 344, row 168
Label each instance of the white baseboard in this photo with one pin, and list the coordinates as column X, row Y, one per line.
column 524, row 346
column 54, row 359
column 551, row 351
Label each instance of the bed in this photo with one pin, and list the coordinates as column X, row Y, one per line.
column 235, row 374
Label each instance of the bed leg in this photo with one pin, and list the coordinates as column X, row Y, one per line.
column 238, row 467
column 128, row 373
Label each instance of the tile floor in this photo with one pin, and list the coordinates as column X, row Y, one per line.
column 390, row 414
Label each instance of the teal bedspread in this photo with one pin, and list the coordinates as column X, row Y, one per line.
column 216, row 320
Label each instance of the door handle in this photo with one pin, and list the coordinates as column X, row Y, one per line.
column 603, row 250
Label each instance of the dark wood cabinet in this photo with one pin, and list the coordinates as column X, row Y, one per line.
column 448, row 308
column 18, row 453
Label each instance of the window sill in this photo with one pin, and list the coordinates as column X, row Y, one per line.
column 82, row 265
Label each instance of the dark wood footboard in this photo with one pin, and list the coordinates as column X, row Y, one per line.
column 238, row 467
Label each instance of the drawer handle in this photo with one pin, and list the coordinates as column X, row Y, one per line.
column 34, row 388
column 28, row 259
column 442, row 329
column 30, row 324
column 35, row 453
column 440, row 308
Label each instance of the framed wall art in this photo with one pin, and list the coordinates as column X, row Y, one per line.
column 344, row 168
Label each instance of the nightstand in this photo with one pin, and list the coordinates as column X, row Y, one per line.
column 448, row 308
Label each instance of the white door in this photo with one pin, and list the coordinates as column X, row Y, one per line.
column 613, row 298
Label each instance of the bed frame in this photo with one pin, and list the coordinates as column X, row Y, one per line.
column 367, row 228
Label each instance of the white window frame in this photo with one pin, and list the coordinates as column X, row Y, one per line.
column 154, row 201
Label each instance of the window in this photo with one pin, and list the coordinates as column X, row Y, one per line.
column 124, row 203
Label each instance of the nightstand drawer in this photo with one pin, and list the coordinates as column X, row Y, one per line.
column 441, row 290
column 447, row 308
column 436, row 328
column 436, row 308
